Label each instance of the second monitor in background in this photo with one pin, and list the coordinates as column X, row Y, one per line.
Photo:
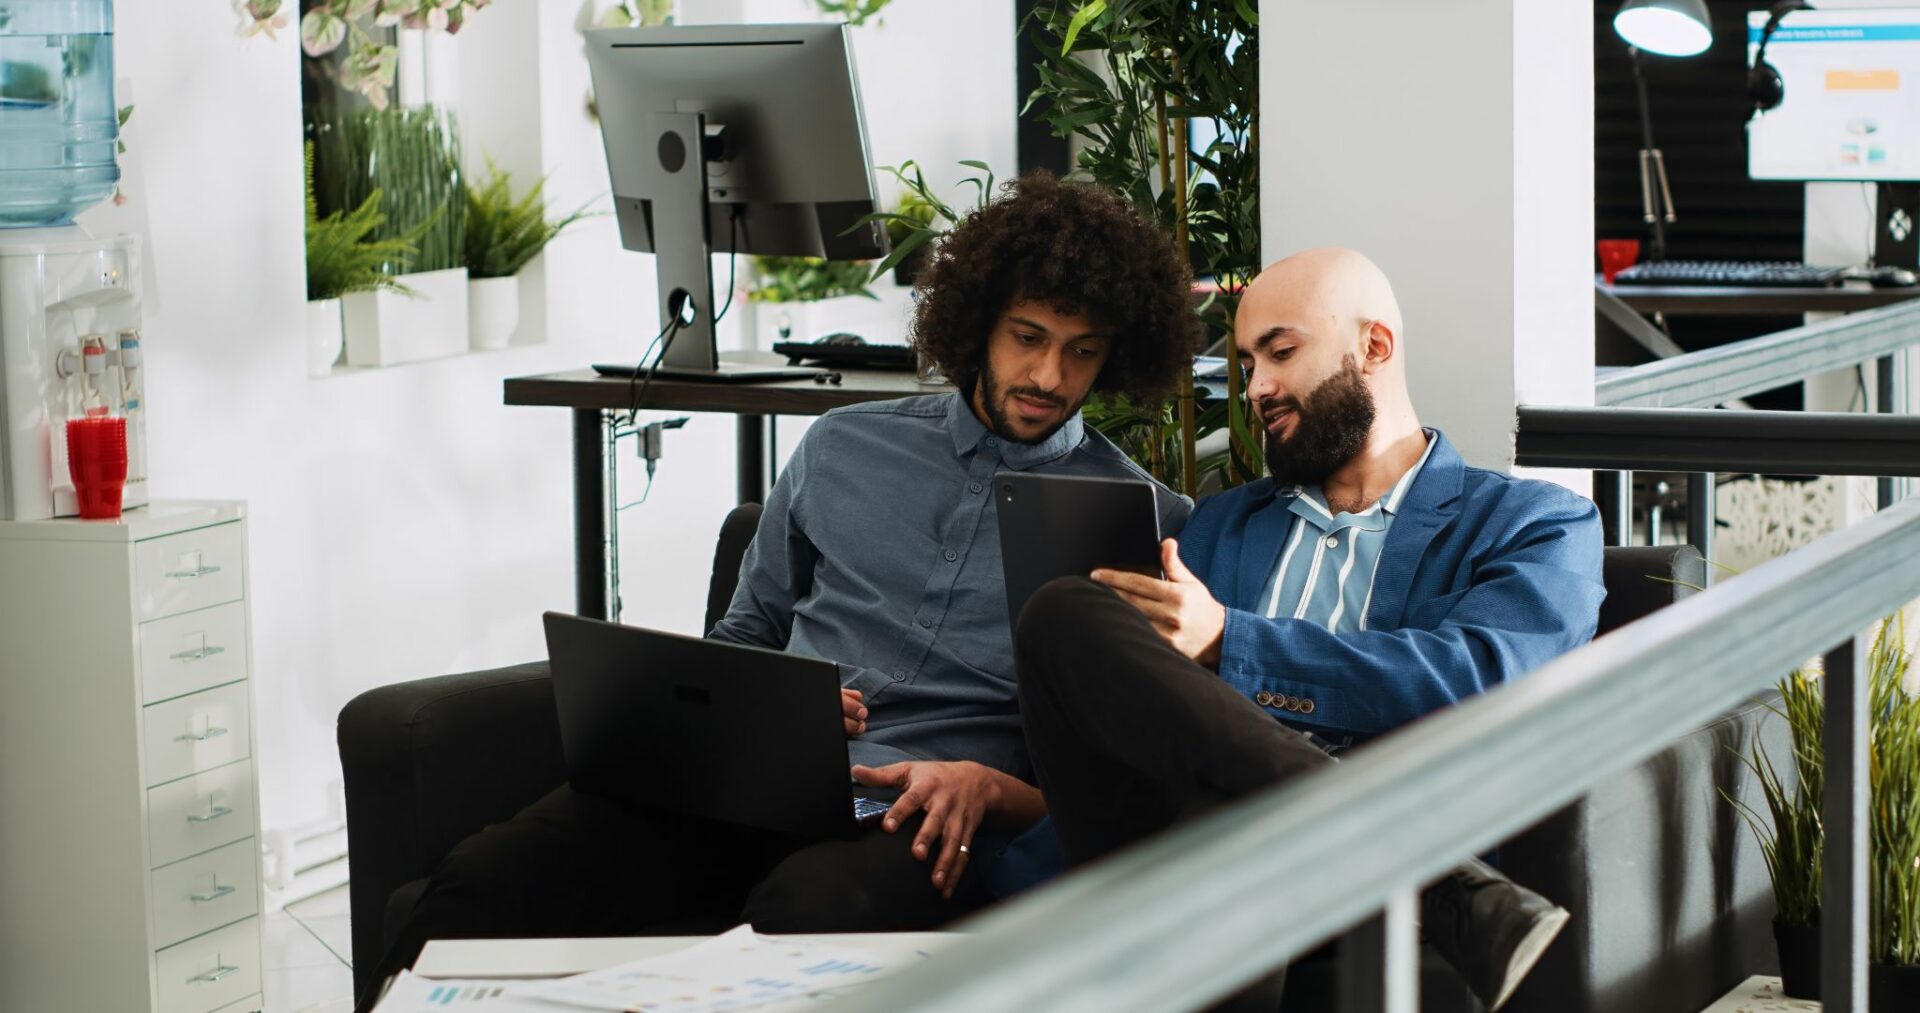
column 735, row 139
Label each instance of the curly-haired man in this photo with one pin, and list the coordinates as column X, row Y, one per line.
column 877, row 551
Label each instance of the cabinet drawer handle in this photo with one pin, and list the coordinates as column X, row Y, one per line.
column 213, row 813
column 198, row 571
column 214, row 975
column 211, row 733
column 214, row 894
column 197, row 653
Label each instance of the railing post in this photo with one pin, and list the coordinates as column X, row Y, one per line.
column 1886, row 399
column 1843, row 886
column 1613, row 492
column 1380, row 961
column 1701, row 507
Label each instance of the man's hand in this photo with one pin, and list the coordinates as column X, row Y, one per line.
column 853, row 711
column 1180, row 607
column 957, row 797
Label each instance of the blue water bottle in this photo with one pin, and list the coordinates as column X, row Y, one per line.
column 58, row 124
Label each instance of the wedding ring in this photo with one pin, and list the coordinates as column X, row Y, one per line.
column 964, row 850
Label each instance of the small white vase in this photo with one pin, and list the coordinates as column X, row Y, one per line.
column 325, row 336
column 493, row 311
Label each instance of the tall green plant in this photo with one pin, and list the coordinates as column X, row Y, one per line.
column 1127, row 77
column 412, row 158
column 341, row 259
column 1793, row 837
column 505, row 233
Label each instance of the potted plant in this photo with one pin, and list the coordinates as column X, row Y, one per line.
column 1794, row 845
column 342, row 259
column 504, row 234
column 411, row 157
column 806, row 299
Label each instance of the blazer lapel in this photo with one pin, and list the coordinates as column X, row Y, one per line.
column 1260, row 547
column 1431, row 501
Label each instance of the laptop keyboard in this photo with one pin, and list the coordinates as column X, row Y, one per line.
column 866, row 809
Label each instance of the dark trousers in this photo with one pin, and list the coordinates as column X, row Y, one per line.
column 1129, row 736
column 576, row 865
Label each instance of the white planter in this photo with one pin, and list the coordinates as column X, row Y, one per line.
column 493, row 311
column 325, row 336
column 388, row 328
column 872, row 319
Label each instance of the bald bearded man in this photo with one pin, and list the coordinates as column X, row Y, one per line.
column 1372, row 579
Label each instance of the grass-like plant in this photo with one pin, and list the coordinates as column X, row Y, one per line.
column 341, row 258
column 1794, row 844
column 412, row 158
column 807, row 279
column 504, row 234
column 1893, row 810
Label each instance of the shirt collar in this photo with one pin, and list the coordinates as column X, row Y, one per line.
column 970, row 434
column 1310, row 502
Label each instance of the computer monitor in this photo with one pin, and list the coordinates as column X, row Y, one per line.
column 1851, row 103
column 738, row 139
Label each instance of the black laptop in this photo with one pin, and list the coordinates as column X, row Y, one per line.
column 705, row 728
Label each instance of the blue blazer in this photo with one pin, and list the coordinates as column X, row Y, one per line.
column 1483, row 577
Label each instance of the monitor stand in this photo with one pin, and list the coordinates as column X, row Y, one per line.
column 1896, row 234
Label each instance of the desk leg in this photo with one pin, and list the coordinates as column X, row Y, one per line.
column 1886, row 374
column 751, row 467
column 590, row 513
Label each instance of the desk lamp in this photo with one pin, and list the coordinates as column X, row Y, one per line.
column 1667, row 28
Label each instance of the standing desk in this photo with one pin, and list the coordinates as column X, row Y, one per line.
column 595, row 401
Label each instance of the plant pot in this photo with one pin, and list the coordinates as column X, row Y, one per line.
column 325, row 336
column 1799, row 947
column 1893, row 986
column 388, row 328
column 493, row 311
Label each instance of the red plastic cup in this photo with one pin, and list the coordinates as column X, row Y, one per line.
column 1617, row 255
column 97, row 460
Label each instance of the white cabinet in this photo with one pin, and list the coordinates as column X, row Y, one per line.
column 129, row 826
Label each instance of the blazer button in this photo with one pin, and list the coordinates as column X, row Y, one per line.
column 1263, row 698
column 1306, row 706
column 1293, row 703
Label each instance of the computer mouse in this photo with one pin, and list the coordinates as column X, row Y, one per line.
column 843, row 338
column 1893, row 277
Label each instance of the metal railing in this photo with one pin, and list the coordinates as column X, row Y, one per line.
column 1198, row 912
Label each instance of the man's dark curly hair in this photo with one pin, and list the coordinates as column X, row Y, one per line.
column 1077, row 248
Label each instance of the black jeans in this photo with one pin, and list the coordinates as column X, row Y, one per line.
column 1129, row 736
column 576, row 865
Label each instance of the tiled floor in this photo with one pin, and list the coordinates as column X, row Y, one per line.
column 309, row 956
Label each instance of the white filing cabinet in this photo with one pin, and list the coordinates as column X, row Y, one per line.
column 129, row 818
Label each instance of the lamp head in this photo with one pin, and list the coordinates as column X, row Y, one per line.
column 1666, row 27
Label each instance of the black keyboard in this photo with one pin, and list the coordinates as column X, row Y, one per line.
column 1731, row 274
column 846, row 356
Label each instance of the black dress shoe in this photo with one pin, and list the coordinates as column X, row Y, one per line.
column 1491, row 929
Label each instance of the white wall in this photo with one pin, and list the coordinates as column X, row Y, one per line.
column 1452, row 143
column 404, row 522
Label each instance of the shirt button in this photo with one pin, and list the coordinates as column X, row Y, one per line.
column 991, row 442
column 974, row 487
column 952, row 555
column 899, row 675
column 926, row 624
column 1333, row 541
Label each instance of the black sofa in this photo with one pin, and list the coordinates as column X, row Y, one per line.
column 1669, row 895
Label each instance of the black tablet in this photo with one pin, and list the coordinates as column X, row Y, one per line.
column 1067, row 526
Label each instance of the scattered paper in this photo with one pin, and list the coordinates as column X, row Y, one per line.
column 413, row 994
column 738, row 970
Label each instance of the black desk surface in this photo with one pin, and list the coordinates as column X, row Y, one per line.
column 1731, row 301
column 583, row 388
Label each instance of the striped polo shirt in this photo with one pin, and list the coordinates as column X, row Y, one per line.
column 1326, row 571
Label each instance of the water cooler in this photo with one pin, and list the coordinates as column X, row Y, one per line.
column 69, row 302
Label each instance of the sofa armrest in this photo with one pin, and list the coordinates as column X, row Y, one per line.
column 427, row 764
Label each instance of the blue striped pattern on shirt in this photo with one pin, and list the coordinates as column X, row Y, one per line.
column 1326, row 570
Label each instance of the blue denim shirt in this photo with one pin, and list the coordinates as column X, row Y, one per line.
column 879, row 550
